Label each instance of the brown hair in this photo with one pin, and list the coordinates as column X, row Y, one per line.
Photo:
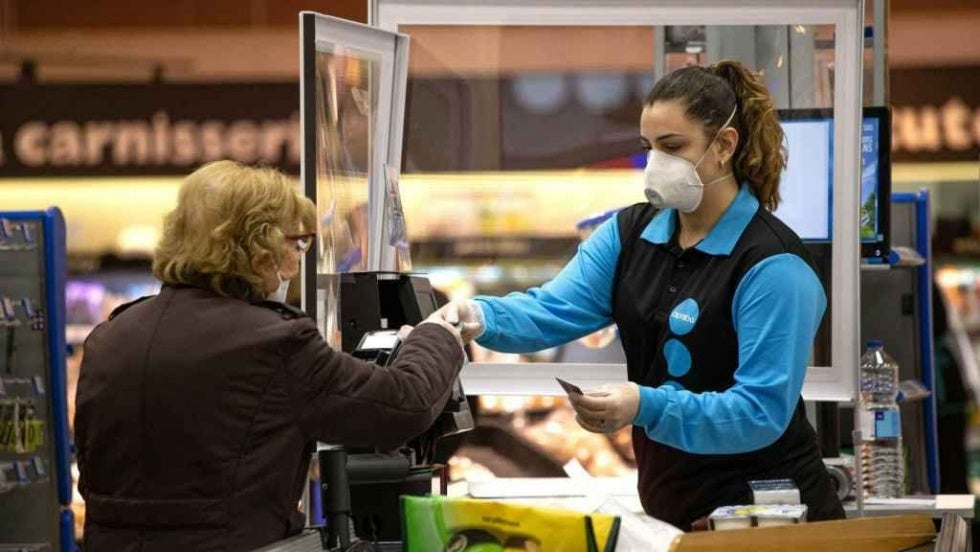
column 710, row 95
column 230, row 219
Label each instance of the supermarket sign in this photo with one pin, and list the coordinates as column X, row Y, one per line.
column 79, row 130
column 950, row 131
column 935, row 114
column 161, row 129
column 946, row 130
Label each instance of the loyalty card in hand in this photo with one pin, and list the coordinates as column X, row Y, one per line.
column 570, row 388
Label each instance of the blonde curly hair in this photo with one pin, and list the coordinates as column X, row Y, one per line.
column 231, row 221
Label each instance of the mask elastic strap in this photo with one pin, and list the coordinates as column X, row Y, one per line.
column 719, row 179
column 723, row 127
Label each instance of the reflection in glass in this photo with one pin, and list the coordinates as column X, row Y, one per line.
column 395, row 221
column 541, row 94
column 346, row 112
column 513, row 133
column 598, row 91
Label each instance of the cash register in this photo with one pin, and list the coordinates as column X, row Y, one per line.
column 361, row 487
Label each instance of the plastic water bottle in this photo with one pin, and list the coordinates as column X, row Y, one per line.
column 881, row 428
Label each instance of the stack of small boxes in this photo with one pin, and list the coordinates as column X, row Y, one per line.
column 775, row 502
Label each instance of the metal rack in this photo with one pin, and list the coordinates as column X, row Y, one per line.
column 906, row 328
column 35, row 480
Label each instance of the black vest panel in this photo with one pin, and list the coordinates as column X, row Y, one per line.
column 653, row 282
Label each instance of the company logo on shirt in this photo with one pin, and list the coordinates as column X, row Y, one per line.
column 684, row 317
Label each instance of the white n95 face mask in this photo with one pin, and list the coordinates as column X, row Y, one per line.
column 673, row 182
column 279, row 295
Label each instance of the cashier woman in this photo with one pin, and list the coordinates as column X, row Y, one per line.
column 716, row 301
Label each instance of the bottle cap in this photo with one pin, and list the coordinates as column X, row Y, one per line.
column 875, row 344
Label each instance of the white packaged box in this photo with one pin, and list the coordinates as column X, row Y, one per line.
column 726, row 518
column 774, row 491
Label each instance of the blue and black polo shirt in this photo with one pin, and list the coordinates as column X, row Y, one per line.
column 718, row 337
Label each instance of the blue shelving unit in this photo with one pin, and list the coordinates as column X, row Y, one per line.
column 35, row 478
column 923, row 239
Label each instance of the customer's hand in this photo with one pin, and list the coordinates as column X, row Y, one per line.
column 466, row 315
column 607, row 409
column 435, row 318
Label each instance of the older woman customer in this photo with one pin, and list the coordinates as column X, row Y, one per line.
column 197, row 408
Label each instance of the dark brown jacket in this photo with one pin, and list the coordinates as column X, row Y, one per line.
column 196, row 416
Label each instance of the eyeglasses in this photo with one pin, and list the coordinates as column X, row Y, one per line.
column 303, row 241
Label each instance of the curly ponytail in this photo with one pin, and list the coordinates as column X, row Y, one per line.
column 711, row 94
column 761, row 156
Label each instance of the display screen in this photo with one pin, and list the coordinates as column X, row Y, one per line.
column 869, row 180
column 807, row 184
column 379, row 340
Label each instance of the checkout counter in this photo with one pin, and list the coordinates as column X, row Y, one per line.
column 355, row 501
column 357, row 280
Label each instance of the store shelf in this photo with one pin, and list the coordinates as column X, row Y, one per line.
column 960, row 284
column 76, row 333
column 506, row 454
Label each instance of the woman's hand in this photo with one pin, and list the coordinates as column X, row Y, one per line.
column 438, row 320
column 607, row 409
column 465, row 315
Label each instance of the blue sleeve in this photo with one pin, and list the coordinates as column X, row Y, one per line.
column 576, row 302
column 776, row 310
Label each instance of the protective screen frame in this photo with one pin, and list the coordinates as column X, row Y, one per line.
column 836, row 382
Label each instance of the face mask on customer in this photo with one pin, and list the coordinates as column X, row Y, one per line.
column 279, row 295
column 673, row 182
